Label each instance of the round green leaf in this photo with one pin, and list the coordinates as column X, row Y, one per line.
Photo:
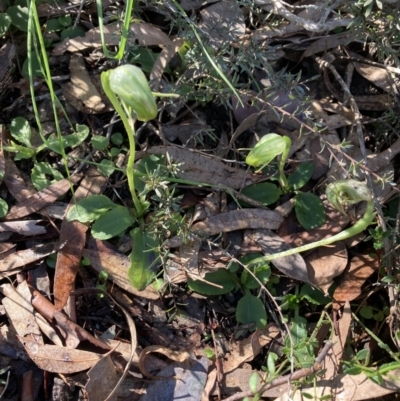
column 65, row 20
column 117, row 139
column 366, row 312
column 99, row 142
column 310, row 210
column 106, row 167
column 3, row 208
column 112, row 223
column 264, row 192
column 41, row 172
column 21, row 131
column 250, row 309
column 19, row 17
column 5, row 22
column 53, row 25
column 220, row 277
column 90, row 209
column 36, row 71
column 301, row 176
column 72, row 33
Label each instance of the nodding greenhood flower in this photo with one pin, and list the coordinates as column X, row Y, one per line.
column 130, row 84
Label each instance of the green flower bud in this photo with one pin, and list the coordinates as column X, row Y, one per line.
column 269, row 146
column 130, row 84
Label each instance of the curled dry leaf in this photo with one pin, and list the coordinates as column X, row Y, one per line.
column 246, row 350
column 361, row 268
column 23, row 227
column 177, row 356
column 82, row 92
column 293, row 266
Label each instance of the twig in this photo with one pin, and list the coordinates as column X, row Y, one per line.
column 320, row 26
column 317, row 366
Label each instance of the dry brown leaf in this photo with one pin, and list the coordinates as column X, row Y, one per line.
column 330, row 41
column 72, row 333
column 143, row 33
column 116, row 265
column 326, row 263
column 240, row 219
column 81, row 92
column 20, row 314
column 293, row 266
column 200, row 168
column 102, row 379
column 246, row 350
column 36, row 201
column 17, row 261
column 52, row 358
column 74, row 234
column 18, row 188
column 361, row 268
column 334, row 359
column 223, row 22
column 163, row 59
column 23, row 227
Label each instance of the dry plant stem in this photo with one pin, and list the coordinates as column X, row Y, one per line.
column 311, row 26
column 317, row 366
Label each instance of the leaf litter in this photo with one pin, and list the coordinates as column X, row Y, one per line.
column 209, row 238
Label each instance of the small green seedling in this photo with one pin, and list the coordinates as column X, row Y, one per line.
column 250, row 309
column 309, row 209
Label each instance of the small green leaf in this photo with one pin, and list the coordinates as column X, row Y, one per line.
column 99, row 142
column 361, row 355
column 298, row 330
column 41, row 172
column 310, row 210
column 250, row 309
column 307, row 395
column 253, row 382
column 112, row 223
column 3, row 208
column 264, row 192
column 19, row 17
column 5, row 22
column 71, row 33
column 21, row 131
column 90, row 209
column 376, row 377
column 36, row 70
column 53, row 25
column 106, row 167
column 65, row 20
column 73, row 140
column 354, row 370
column 272, row 358
column 366, row 312
column 301, row 176
column 143, row 257
column 313, row 295
column 209, row 353
column 117, row 139
column 221, row 277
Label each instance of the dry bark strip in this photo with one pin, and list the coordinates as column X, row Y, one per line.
column 240, row 219
column 74, row 234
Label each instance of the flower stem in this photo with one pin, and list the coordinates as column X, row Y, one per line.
column 355, row 192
